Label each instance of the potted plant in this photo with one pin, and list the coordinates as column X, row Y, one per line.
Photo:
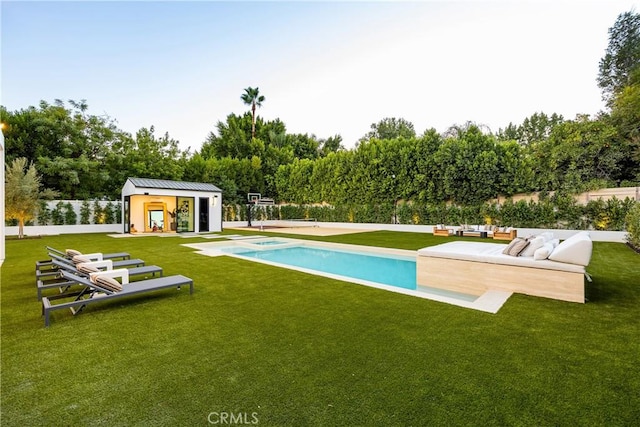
column 172, row 214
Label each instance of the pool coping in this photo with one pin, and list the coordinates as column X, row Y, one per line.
column 489, row 302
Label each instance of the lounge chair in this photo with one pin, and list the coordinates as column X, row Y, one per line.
column 85, row 269
column 104, row 288
column 51, row 272
column 70, row 253
column 45, row 267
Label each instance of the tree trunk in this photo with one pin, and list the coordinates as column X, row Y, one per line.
column 21, row 228
column 253, row 120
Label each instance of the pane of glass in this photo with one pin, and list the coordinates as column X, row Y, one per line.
column 156, row 220
column 185, row 214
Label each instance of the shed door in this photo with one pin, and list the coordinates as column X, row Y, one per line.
column 127, row 214
column 204, row 214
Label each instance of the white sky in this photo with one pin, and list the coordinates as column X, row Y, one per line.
column 325, row 68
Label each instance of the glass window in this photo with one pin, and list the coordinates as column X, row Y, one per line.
column 185, row 214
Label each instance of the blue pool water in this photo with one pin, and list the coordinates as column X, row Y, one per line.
column 378, row 269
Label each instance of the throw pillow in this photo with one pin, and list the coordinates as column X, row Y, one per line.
column 516, row 247
column 108, row 283
column 535, row 243
column 543, row 252
column 574, row 251
column 547, row 235
column 72, row 252
column 79, row 259
column 85, row 268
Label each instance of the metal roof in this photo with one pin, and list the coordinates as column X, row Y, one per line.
column 173, row 185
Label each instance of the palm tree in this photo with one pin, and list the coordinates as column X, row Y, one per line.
column 251, row 96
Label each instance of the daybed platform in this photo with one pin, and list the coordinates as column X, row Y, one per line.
column 474, row 267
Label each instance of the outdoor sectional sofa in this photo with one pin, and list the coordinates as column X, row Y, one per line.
column 474, row 268
column 497, row 233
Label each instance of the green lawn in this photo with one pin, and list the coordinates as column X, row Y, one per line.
column 286, row 348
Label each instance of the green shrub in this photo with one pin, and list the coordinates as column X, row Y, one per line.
column 109, row 212
column 44, row 213
column 57, row 214
column 85, row 213
column 632, row 223
column 70, row 216
column 98, row 213
column 117, row 213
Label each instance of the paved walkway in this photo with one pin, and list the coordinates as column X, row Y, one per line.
column 307, row 231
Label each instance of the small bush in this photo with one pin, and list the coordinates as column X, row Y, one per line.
column 57, row 214
column 108, row 213
column 632, row 222
column 44, row 213
column 85, row 213
column 70, row 216
column 98, row 213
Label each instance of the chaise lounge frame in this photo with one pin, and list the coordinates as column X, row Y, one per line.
column 64, row 285
column 92, row 292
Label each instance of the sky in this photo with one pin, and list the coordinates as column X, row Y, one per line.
column 325, row 68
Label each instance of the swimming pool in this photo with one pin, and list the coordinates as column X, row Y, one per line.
column 384, row 268
column 392, row 271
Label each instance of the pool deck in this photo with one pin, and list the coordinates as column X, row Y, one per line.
column 489, row 302
column 305, row 230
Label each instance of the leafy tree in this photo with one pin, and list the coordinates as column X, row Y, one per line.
column 533, row 129
column 304, row 146
column 231, row 140
column 457, row 130
column 622, row 55
column 252, row 97
column 625, row 116
column 143, row 156
column 331, row 145
column 576, row 153
column 468, row 166
column 427, row 178
column 22, row 192
column 390, row 128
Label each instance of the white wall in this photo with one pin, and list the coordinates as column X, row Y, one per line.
column 77, row 205
column 50, row 230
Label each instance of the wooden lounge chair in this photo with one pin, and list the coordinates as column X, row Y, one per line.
column 103, row 289
column 84, row 270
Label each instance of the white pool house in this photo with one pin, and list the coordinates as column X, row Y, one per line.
column 163, row 206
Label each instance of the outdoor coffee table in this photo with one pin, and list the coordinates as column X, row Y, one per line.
column 472, row 233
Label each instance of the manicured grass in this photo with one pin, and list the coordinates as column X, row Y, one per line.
column 303, row 350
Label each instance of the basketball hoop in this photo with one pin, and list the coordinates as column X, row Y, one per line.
column 254, row 198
